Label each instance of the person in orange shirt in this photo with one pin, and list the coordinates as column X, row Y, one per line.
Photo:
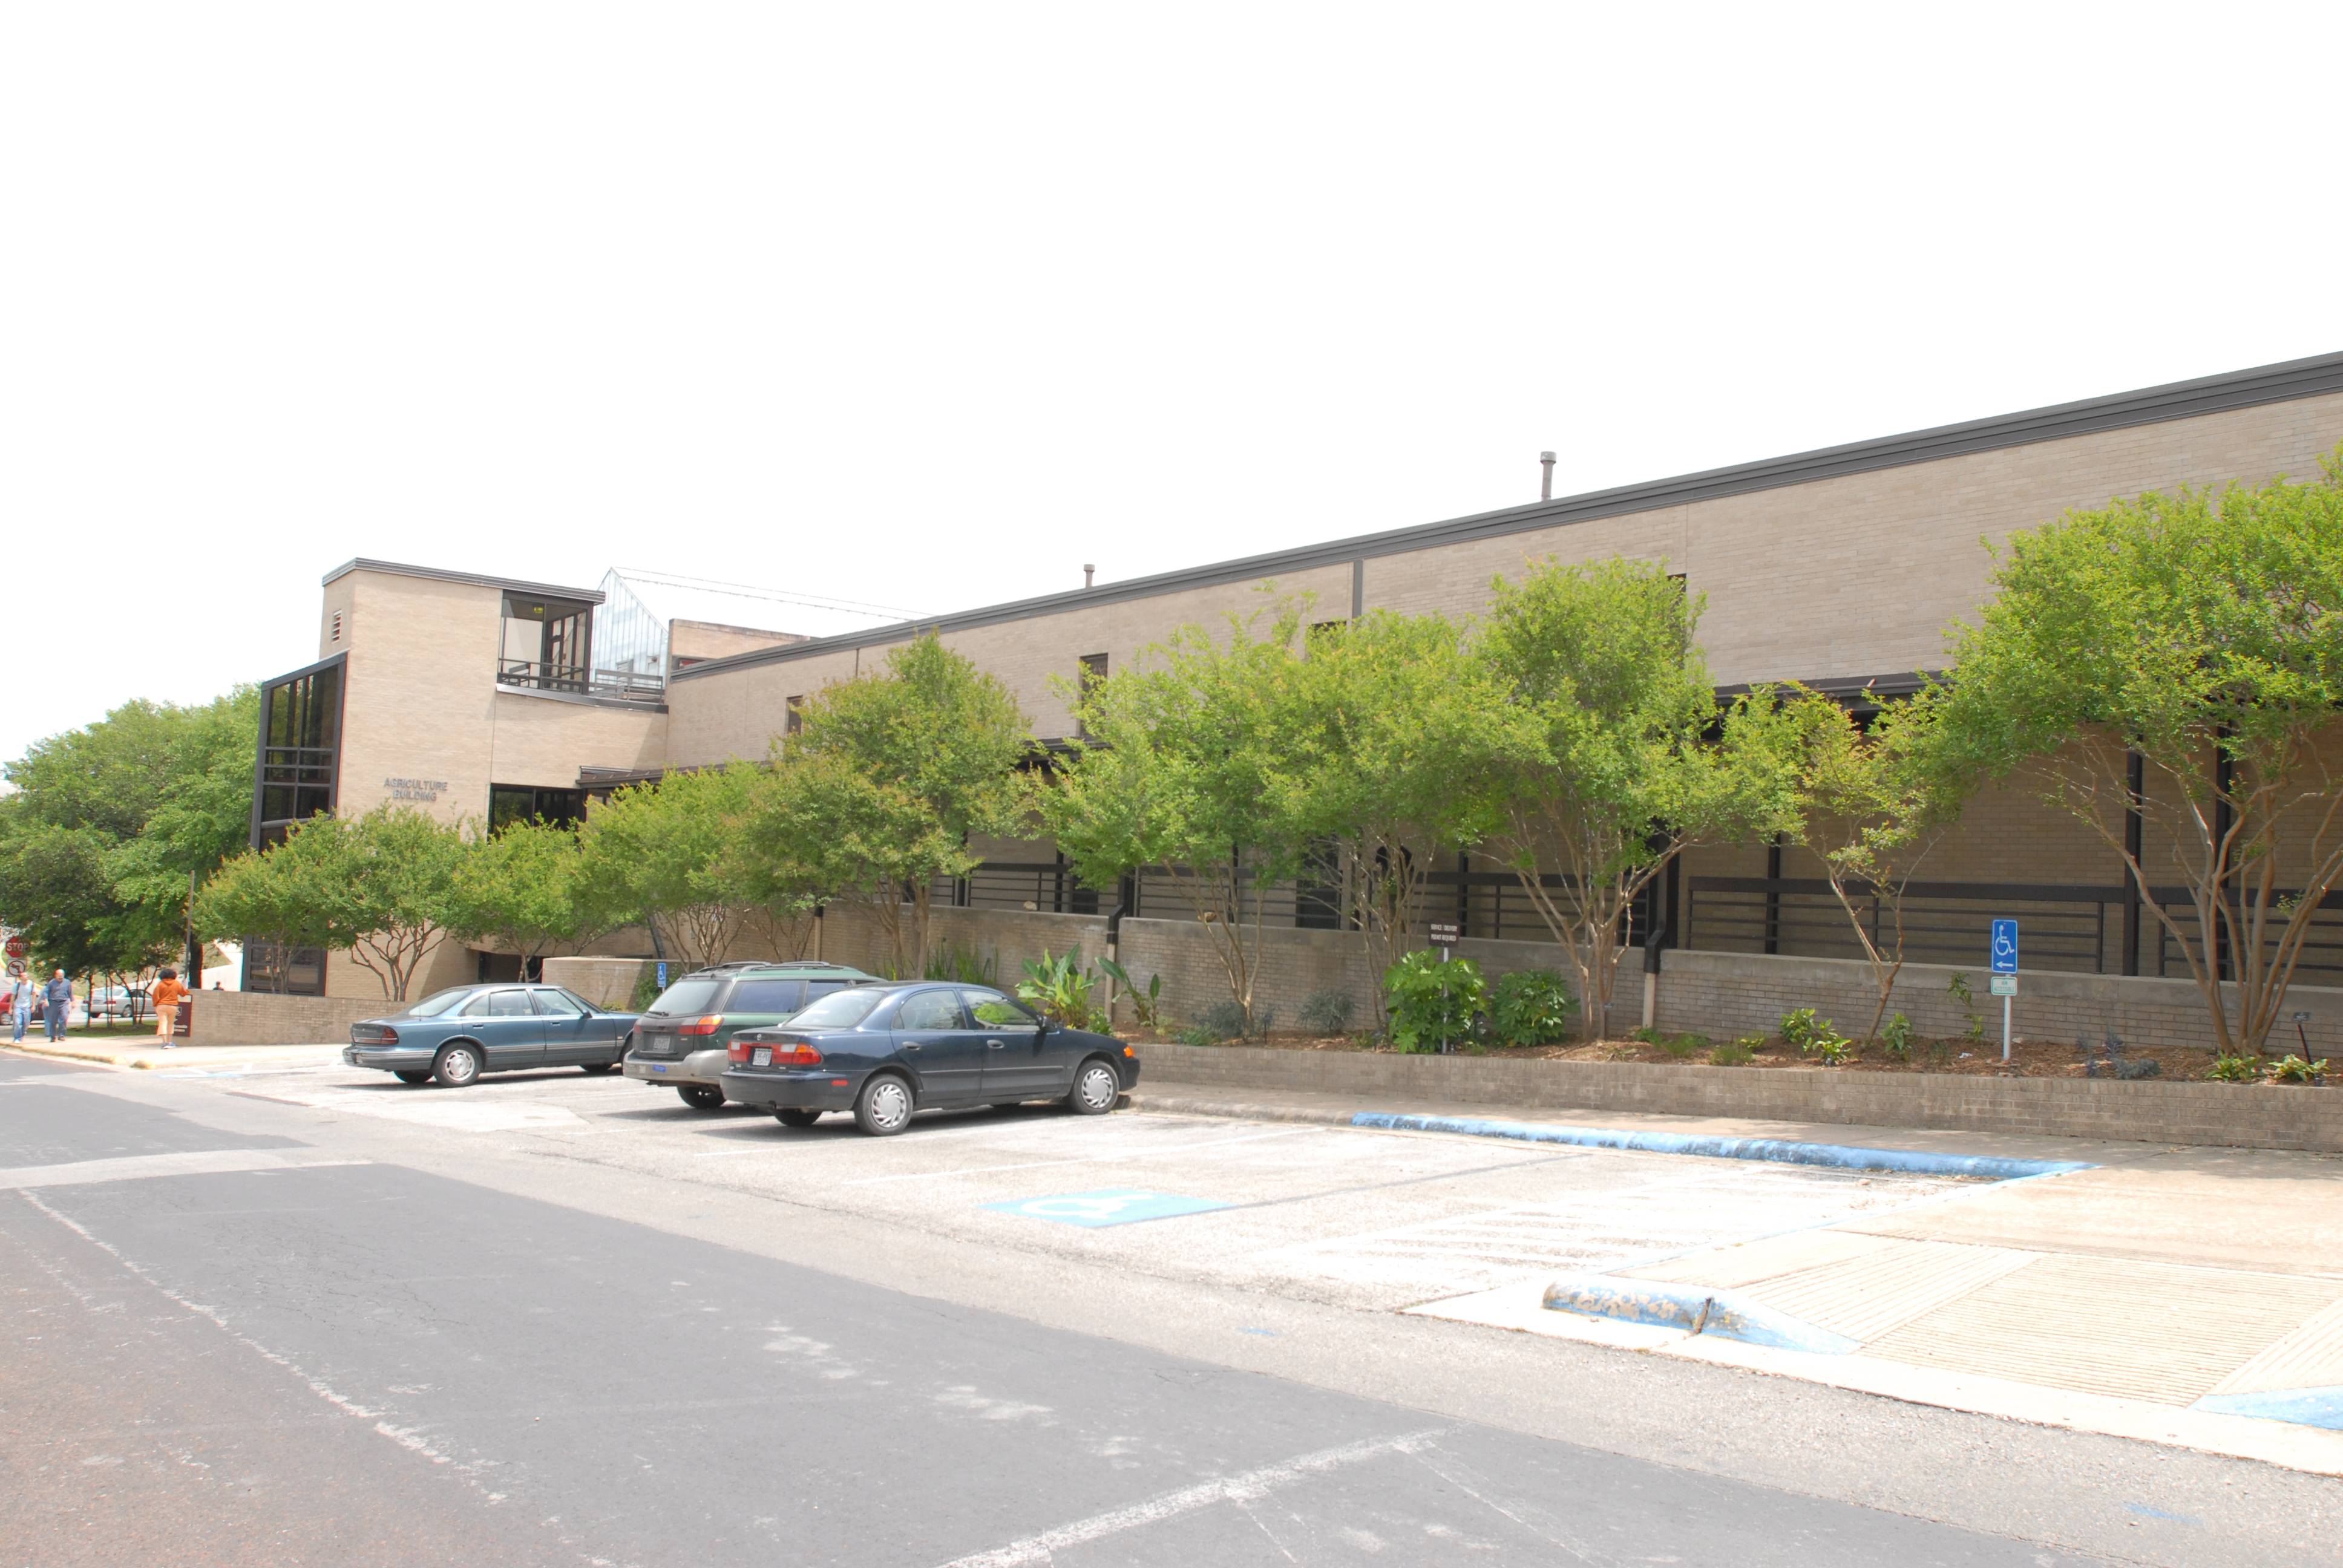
column 166, row 996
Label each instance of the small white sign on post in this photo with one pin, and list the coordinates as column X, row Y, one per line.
column 2004, row 985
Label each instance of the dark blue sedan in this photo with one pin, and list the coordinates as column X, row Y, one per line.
column 884, row 1051
column 454, row 1036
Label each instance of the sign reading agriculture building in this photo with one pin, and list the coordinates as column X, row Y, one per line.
column 424, row 789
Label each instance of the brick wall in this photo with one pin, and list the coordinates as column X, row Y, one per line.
column 2220, row 1114
column 260, row 1018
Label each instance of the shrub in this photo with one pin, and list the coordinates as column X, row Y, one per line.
column 1197, row 1034
column 2139, row 1067
column 1800, row 1026
column 1965, row 1000
column 1680, row 1046
column 1829, row 1048
column 966, row 965
column 1895, row 1038
column 1223, row 1020
column 1532, row 1007
column 1146, row 1005
column 2292, row 1069
column 647, row 988
column 1732, row 1053
column 1059, row 988
column 1327, row 1011
column 2235, row 1070
column 1432, row 1003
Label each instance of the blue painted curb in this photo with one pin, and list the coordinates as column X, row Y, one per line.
column 1846, row 1157
column 1695, row 1309
column 2302, row 1406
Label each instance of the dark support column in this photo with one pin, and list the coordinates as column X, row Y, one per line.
column 2136, row 791
column 1774, row 898
column 1675, row 936
column 1464, row 893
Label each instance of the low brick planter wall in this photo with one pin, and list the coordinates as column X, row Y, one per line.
column 263, row 1017
column 2244, row 1116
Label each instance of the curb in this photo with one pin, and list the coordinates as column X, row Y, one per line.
column 1839, row 1156
column 1697, row 1309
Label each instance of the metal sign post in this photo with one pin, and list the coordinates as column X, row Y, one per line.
column 1444, row 935
column 2005, row 974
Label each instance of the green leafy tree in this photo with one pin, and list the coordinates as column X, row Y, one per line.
column 380, row 887
column 153, row 798
column 668, row 855
column 1874, row 799
column 2203, row 632
column 1371, row 748
column 1180, row 776
column 1622, row 758
column 889, row 778
column 523, row 889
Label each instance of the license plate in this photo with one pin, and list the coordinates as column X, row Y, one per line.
column 763, row 1056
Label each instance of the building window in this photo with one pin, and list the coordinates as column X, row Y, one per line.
column 510, row 803
column 546, row 643
column 1094, row 675
column 793, row 715
column 300, row 749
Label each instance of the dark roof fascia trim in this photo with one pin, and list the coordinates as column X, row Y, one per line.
column 328, row 662
column 1899, row 683
column 585, row 699
column 470, row 579
column 2319, row 376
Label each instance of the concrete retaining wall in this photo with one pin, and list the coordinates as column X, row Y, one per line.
column 2230, row 1115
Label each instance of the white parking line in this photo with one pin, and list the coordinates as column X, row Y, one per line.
column 1238, row 1489
column 139, row 1167
column 1078, row 1160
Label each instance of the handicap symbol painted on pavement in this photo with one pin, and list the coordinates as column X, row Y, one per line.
column 1114, row 1206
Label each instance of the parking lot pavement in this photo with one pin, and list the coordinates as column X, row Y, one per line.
column 1345, row 1216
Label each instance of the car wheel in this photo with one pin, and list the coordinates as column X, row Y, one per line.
column 1095, row 1086
column 458, row 1065
column 791, row 1116
column 596, row 1069
column 419, row 1075
column 884, row 1107
column 701, row 1096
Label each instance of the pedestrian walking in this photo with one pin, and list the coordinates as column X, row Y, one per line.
column 56, row 1004
column 20, row 1000
column 166, row 996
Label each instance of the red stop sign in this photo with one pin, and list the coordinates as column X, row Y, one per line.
column 16, row 946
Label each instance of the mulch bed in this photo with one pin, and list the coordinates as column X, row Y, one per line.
column 2028, row 1058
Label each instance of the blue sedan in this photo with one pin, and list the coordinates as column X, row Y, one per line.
column 884, row 1051
column 454, row 1036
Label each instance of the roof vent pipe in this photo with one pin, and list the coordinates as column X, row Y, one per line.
column 1087, row 570
column 1545, row 485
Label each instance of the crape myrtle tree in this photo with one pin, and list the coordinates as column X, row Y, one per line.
column 521, row 887
column 666, row 855
column 1621, row 757
column 1873, row 800
column 1375, row 740
column 379, row 887
column 2202, row 633
column 1179, row 773
column 880, row 790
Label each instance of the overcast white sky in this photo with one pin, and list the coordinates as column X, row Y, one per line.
column 929, row 305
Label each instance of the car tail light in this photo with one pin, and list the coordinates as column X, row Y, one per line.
column 799, row 1055
column 708, row 1025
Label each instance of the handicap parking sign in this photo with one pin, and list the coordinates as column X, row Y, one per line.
column 2004, row 947
column 1113, row 1206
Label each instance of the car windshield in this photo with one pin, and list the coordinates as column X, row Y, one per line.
column 696, row 994
column 839, row 1010
column 432, row 1006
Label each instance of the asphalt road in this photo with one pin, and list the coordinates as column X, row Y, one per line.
column 555, row 1320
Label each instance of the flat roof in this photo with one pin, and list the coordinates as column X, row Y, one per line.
column 473, row 579
column 2295, row 378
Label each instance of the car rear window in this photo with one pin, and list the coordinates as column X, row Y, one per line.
column 766, row 996
column 839, row 1009
column 434, row 1005
column 693, row 994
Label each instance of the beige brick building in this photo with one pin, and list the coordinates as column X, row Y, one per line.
column 472, row 696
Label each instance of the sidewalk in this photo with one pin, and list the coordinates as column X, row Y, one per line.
column 2181, row 1295
column 143, row 1053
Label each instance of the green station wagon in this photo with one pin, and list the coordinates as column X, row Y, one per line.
column 682, row 1040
